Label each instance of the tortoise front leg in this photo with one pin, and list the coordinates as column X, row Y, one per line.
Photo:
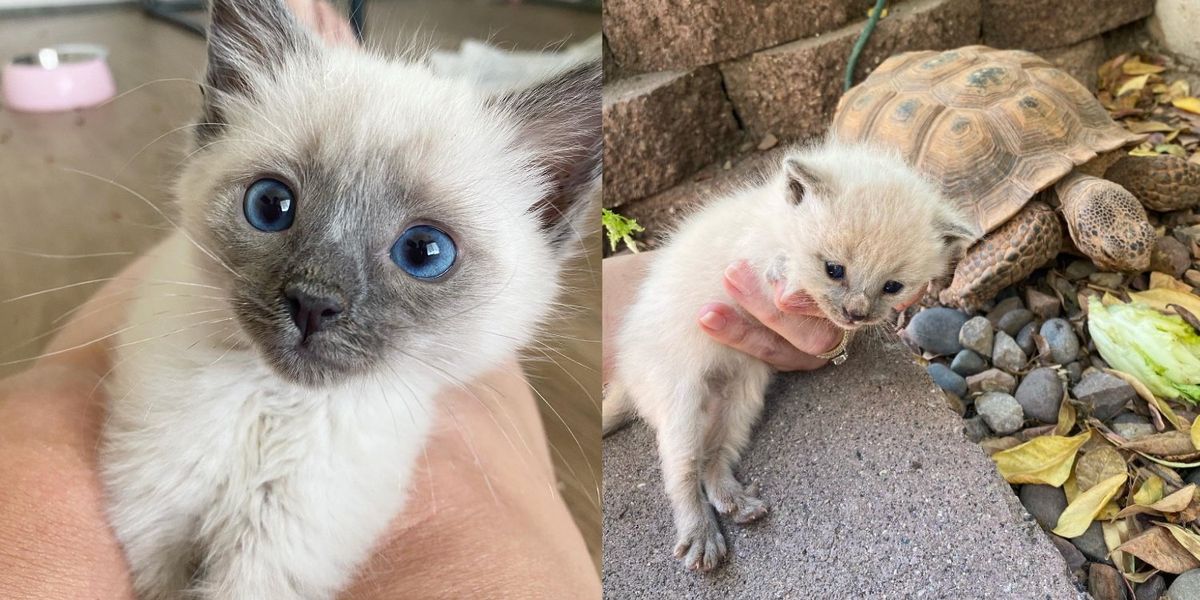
column 1007, row 255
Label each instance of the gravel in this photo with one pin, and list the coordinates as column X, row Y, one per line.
column 947, row 379
column 1091, row 544
column 1044, row 305
column 1105, row 395
column 1044, row 502
column 1006, row 354
column 1151, row 589
column 976, row 335
column 1105, row 583
column 1079, row 269
column 1064, row 346
column 1000, row 411
column 936, row 330
column 1106, row 280
column 975, row 429
column 1186, row 586
column 1170, row 256
column 1014, row 320
column 991, row 380
column 967, row 363
column 1131, row 426
column 1025, row 338
column 1040, row 394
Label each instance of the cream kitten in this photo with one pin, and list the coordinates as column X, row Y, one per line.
column 851, row 225
column 357, row 235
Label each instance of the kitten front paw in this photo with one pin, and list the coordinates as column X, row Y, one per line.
column 701, row 547
column 742, row 504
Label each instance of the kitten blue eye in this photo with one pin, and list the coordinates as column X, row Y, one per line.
column 425, row 252
column 269, row 205
column 834, row 270
column 892, row 287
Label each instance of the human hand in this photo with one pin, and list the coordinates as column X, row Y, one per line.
column 484, row 513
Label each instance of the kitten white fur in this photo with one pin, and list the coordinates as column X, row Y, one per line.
column 229, row 480
column 853, row 205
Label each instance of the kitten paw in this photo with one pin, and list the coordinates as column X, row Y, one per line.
column 742, row 504
column 702, row 548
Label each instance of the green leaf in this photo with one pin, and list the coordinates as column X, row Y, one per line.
column 619, row 228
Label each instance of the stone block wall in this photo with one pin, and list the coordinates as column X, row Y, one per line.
column 691, row 85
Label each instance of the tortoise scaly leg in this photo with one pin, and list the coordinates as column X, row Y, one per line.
column 1007, row 255
column 1162, row 183
column 1106, row 222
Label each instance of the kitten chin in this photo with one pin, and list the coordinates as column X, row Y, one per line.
column 851, row 225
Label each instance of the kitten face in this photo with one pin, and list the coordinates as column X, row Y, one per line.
column 870, row 232
column 373, row 216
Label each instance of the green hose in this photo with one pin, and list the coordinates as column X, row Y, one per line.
column 861, row 43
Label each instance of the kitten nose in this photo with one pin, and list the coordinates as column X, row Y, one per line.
column 854, row 316
column 311, row 312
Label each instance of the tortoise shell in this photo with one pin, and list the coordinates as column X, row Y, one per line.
column 992, row 127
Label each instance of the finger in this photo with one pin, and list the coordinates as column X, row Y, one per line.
column 810, row 335
column 796, row 303
column 726, row 326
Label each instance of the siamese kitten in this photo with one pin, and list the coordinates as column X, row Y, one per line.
column 356, row 235
column 851, row 225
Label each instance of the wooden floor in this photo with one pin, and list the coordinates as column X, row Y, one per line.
column 55, row 195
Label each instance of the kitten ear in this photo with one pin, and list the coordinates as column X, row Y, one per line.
column 803, row 181
column 560, row 119
column 958, row 232
column 247, row 40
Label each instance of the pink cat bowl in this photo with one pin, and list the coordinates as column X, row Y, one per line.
column 58, row 78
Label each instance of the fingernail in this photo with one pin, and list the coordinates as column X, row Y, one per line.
column 713, row 320
column 737, row 275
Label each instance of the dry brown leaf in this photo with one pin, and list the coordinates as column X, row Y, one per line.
column 1096, row 466
column 1070, row 488
column 1145, row 394
column 1186, row 538
column 1160, row 280
column 1083, row 509
column 1117, row 533
column 1168, row 443
column 1147, row 126
column 1158, row 548
column 1066, row 416
column 994, row 445
column 1181, row 499
column 1046, row 459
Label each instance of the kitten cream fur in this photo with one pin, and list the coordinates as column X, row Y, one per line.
column 857, row 206
column 238, row 468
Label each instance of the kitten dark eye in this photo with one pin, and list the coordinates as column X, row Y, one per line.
column 834, row 270
column 424, row 251
column 892, row 287
column 269, row 205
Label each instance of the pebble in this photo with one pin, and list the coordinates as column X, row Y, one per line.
column 1193, row 477
column 1192, row 277
column 947, row 380
column 1014, row 320
column 1091, row 544
column 1044, row 305
column 1025, row 338
column 1006, row 354
column 1074, row 372
column 1131, row 426
column 1106, row 395
column 1106, row 280
column 976, row 335
column 1003, row 307
column 1076, row 562
column 1040, row 395
column 967, row 363
column 1064, row 346
column 1000, row 411
column 975, row 429
column 1079, row 269
column 1105, row 583
column 991, row 380
column 1151, row 589
column 1170, row 256
column 1044, row 502
column 1188, row 235
column 1185, row 587
column 936, row 330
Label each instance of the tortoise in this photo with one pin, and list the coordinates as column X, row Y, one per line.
column 1020, row 145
